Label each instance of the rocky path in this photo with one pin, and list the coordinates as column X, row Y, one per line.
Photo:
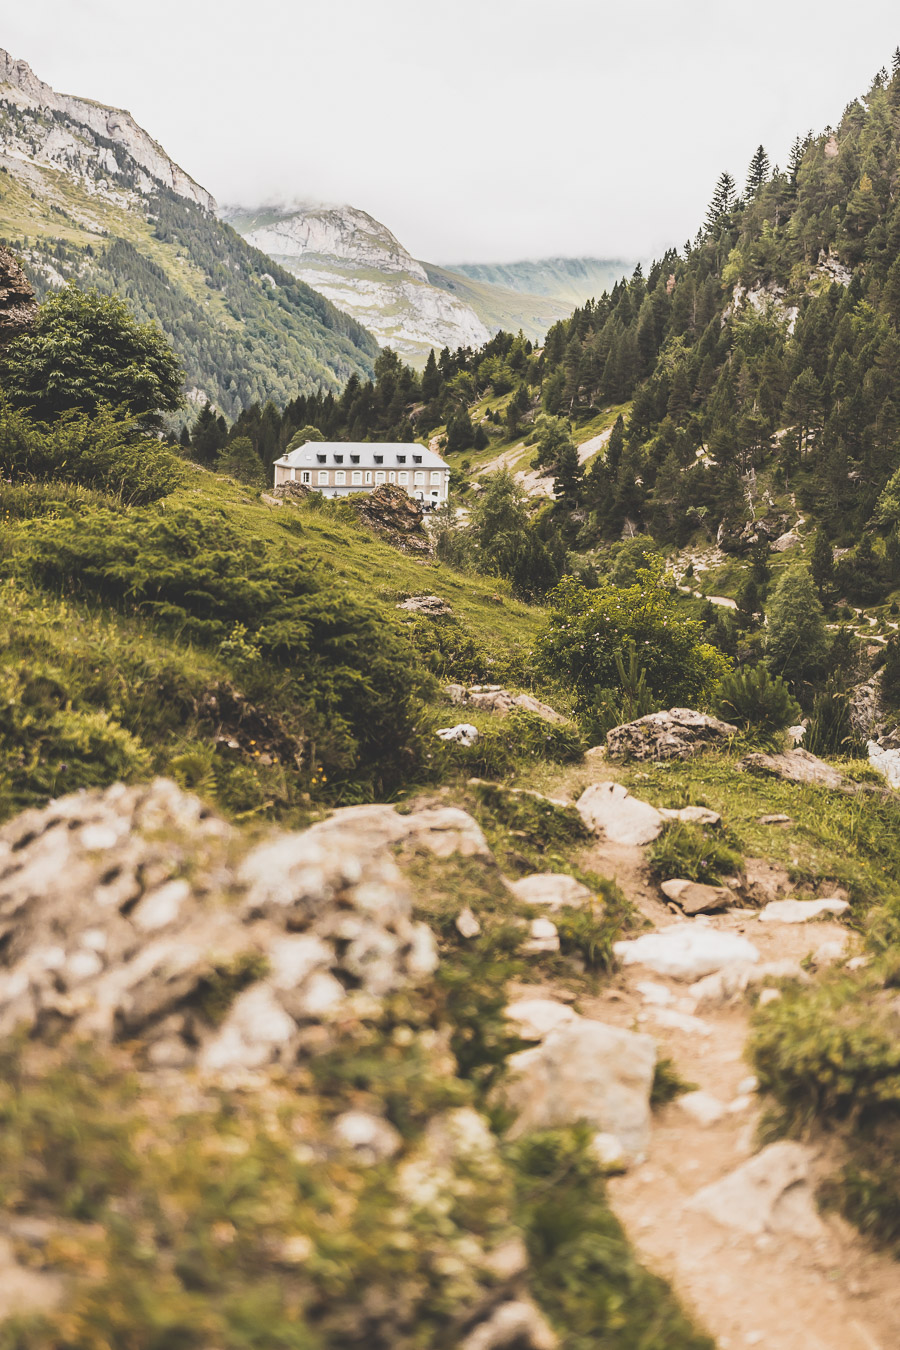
column 753, row 1260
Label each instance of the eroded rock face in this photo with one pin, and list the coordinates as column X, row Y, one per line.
column 585, row 1070
column 392, row 513
column 137, row 914
column 18, row 306
column 676, row 734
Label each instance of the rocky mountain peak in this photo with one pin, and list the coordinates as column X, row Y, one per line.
column 60, row 139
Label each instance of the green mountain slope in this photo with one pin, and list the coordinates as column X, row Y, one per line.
column 117, row 214
column 501, row 307
column 570, row 281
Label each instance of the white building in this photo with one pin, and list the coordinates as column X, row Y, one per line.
column 336, row 468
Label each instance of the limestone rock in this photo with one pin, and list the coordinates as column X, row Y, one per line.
column 691, row 815
column 732, row 981
column 515, row 1325
column 695, row 898
column 543, row 937
column 466, row 923
column 771, row 1193
column 686, row 951
column 609, row 808
column 585, row 1070
column 702, row 1107
column 866, row 708
column 552, row 889
column 797, row 766
column 494, row 698
column 609, row 1152
column 464, row 733
column 431, row 605
column 676, row 734
column 801, row 911
column 18, row 306
column 393, row 514
column 534, row 1018
column 886, row 762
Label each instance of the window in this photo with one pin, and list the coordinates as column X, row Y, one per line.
column 340, row 476
column 418, row 476
column 417, row 459
column 339, row 459
column 354, row 459
column 306, row 476
column 369, row 476
column 403, row 476
column 323, row 476
column 379, row 459
column 379, row 476
column 320, row 458
column 392, row 477
column 435, row 475
column 401, row 459
column 356, row 476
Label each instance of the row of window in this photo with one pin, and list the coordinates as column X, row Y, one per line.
column 354, row 459
column 357, row 477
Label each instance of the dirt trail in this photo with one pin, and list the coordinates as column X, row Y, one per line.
column 776, row 1290
column 537, row 482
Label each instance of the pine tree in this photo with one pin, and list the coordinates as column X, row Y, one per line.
column 431, row 379
column 797, row 639
column 758, row 173
column 821, row 564
column 721, row 204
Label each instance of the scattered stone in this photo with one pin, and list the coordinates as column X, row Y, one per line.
column 748, row 1085
column 769, row 1194
column 702, row 1107
column 466, row 923
column 775, row 819
column 515, row 1325
column 732, row 982
column 696, row 898
column 680, row 1021
column 544, row 937
column 785, row 541
column 432, row 605
column 655, row 994
column 24, row 1291
column 676, row 734
column 886, row 762
column 767, row 996
column 494, row 698
column 370, row 1138
column 587, row 1071
column 858, row 962
column 828, row 953
column 797, row 733
column 797, row 766
column 608, row 1152
column 801, row 911
column 610, row 809
column 462, row 734
column 686, row 951
column 551, row 889
column 534, row 1018
column 692, row 815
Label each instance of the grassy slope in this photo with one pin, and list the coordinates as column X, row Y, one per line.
column 501, row 306
column 571, row 281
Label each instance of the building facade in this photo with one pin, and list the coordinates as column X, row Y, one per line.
column 336, row 468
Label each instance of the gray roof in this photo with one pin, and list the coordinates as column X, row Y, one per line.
column 363, row 454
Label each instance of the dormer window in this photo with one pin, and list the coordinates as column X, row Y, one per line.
column 417, row 459
column 339, row 459
column 401, row 459
column 379, row 459
column 321, row 458
column 354, row 459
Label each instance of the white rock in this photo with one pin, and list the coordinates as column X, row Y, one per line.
column 748, row 1084
column 887, row 762
column 162, row 906
column 608, row 1152
column 680, row 1021
column 95, row 939
column 511, row 1325
column 462, row 734
column 694, row 815
column 320, row 995
column 769, row 1194
column 608, row 808
column 656, row 994
column 801, row 911
column 544, row 937
column 767, row 996
column 702, row 1107
column 858, row 962
column 254, row 1031
column 686, row 951
column 552, row 889
column 82, row 965
column 293, row 959
column 535, row 1017
column 466, row 923
column 371, row 1138
column 587, row 1071
column 727, row 984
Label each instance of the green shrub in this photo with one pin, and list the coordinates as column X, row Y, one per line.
column 695, row 852
column 753, row 699
column 667, row 1083
column 829, row 730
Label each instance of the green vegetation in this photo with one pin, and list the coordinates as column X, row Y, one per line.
column 698, row 852
column 751, row 699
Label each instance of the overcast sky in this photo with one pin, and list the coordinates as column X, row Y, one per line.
column 477, row 130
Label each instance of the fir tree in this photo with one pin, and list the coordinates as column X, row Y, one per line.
column 822, row 565
column 721, row 204
column 758, row 173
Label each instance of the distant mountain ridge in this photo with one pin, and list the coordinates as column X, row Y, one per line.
column 87, row 195
column 569, row 281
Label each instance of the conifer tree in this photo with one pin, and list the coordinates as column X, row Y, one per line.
column 431, row 379
column 822, row 564
column 721, row 204
column 797, row 640
column 758, row 173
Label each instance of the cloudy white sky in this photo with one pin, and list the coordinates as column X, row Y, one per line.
column 478, row 130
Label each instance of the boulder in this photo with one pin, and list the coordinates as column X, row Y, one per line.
column 494, row 698
column 18, row 306
column 691, row 815
column 686, row 951
column 432, row 605
column 676, row 734
column 866, row 709
column 462, row 734
column 695, row 898
column 585, row 1070
column 801, row 911
column 551, row 889
column 886, row 762
column 732, row 981
column 772, row 1193
column 516, row 1324
column 534, row 1018
column 797, row 766
column 609, row 809
column 396, row 516
column 543, row 936
column 702, row 1107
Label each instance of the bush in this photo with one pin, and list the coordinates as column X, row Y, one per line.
column 591, row 632
column 752, row 699
column 694, row 852
column 829, row 730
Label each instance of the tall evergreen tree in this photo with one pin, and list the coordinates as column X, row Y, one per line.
column 758, row 172
column 721, row 204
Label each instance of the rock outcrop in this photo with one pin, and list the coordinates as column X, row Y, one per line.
column 396, row 516
column 676, row 734
column 610, row 810
column 494, row 698
column 797, row 766
column 18, row 306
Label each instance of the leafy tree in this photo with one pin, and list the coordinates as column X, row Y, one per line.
column 87, row 349
column 304, row 436
column 797, row 640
